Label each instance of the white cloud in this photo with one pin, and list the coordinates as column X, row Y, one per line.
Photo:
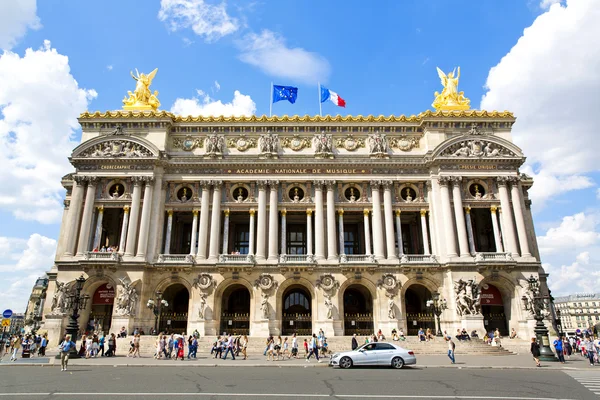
column 15, row 18
column 206, row 20
column 546, row 4
column 217, row 86
column 39, row 104
column 206, row 106
column 550, row 80
column 582, row 275
column 577, row 231
column 548, row 185
column 269, row 52
column 109, row 67
column 22, row 261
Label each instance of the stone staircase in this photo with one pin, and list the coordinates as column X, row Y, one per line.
column 335, row 344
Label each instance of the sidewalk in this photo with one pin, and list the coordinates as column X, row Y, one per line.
column 255, row 360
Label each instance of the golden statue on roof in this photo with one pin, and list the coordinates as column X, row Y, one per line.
column 141, row 98
column 450, row 98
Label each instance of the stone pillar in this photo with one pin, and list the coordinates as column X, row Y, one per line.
column 399, row 233
column 341, row 233
column 134, row 217
column 86, row 219
column 470, row 230
column 390, row 238
column 204, row 209
column 157, row 219
column 497, row 239
column 283, row 232
column 516, row 195
column 319, row 233
column 501, row 227
column 447, row 213
column 378, row 244
column 145, row 223
column 225, row 232
column 433, row 238
column 508, row 231
column 74, row 216
column 461, row 227
column 367, row 232
column 252, row 238
column 424, row 232
column 309, row 235
column 331, row 231
column 261, row 235
column 98, row 231
column 169, row 229
column 194, row 232
column 215, row 222
column 273, row 221
column 124, row 229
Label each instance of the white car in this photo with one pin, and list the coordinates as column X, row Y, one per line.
column 377, row 353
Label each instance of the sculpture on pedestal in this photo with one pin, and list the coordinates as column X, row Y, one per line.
column 450, row 98
column 127, row 299
column 468, row 297
column 59, row 299
column 142, row 98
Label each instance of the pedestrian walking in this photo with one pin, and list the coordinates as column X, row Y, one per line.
column 305, row 348
column 65, row 347
column 43, row 345
column 313, row 349
column 535, row 351
column 170, row 345
column 354, row 342
column 218, row 347
column 558, row 346
column 294, row 346
column 271, row 349
column 229, row 348
column 590, row 349
column 286, row 349
column 101, row 343
column 244, row 346
column 278, row 345
column 180, row 346
column 16, row 345
column 451, row 347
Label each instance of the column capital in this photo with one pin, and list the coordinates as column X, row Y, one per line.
column 387, row 185
column 340, row 211
column 205, row 184
column 503, row 180
column 398, row 212
column 216, row 183
column 309, row 211
column 330, row 184
column 283, row 212
column 375, row 184
column 252, row 211
column 126, row 209
column 423, row 213
column 455, row 178
column 226, row 212
column 444, row 180
column 148, row 180
column 137, row 180
column 262, row 184
column 273, row 183
column 468, row 210
column 92, row 180
column 100, row 209
column 366, row 212
column 79, row 180
column 493, row 209
column 195, row 212
column 170, row 212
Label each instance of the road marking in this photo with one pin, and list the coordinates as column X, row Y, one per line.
column 588, row 379
column 281, row 395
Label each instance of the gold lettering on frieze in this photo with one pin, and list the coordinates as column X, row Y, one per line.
column 488, row 167
column 297, row 171
column 115, row 167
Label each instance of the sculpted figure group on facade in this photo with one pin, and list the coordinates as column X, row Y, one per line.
column 468, row 297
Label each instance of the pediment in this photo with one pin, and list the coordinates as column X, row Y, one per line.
column 116, row 147
column 470, row 147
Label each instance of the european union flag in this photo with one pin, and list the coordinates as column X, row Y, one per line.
column 288, row 93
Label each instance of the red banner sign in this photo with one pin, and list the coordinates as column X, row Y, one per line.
column 490, row 296
column 105, row 294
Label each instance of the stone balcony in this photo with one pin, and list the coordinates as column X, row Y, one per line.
column 483, row 257
column 93, row 256
column 418, row 259
column 175, row 259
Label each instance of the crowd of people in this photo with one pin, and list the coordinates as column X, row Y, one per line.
column 583, row 343
column 27, row 345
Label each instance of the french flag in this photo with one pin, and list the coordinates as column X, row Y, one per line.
column 327, row 94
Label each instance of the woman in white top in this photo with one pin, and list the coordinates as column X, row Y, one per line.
column 88, row 347
column 158, row 351
column 286, row 349
column 271, row 351
column 294, row 346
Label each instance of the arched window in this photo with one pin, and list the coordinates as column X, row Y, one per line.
column 296, row 300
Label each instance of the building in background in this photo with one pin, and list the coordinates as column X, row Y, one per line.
column 578, row 311
column 35, row 305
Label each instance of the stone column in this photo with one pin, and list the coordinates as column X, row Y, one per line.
column 319, row 233
column 134, row 217
column 331, row 231
column 508, row 231
column 470, row 230
column 157, row 218
column 497, row 239
column 98, row 231
column 516, row 195
column 367, row 231
column 225, row 232
column 215, row 222
column 399, row 233
column 283, row 231
column 273, row 221
column 447, row 213
column 169, row 229
column 261, row 235
column 74, row 216
column 309, row 235
column 378, row 245
column 124, row 229
column 424, row 232
column 86, row 219
column 390, row 238
column 341, row 233
column 194, row 232
column 461, row 227
column 204, row 209
column 145, row 223
column 252, row 238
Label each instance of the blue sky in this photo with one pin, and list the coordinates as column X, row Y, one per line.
column 537, row 58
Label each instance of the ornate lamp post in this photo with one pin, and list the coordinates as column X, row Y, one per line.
column 76, row 302
column 156, row 306
column 537, row 304
column 437, row 305
column 559, row 326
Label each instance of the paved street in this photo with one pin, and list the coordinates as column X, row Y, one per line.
column 191, row 382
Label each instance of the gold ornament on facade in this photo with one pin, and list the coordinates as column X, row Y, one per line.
column 142, row 98
column 404, row 143
column 350, row 143
column 450, row 99
column 242, row 143
column 188, row 143
column 296, row 142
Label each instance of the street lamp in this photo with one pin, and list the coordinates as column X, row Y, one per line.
column 537, row 304
column 76, row 302
column 559, row 327
column 156, row 306
column 437, row 305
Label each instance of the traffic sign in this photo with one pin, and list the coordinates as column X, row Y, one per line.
column 5, row 322
column 7, row 313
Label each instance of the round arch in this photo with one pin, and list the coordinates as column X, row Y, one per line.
column 301, row 324
column 91, row 317
column 220, row 289
column 501, row 317
column 362, row 317
column 415, row 294
column 498, row 141
column 174, row 317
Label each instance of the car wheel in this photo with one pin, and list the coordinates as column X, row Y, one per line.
column 397, row 362
column 345, row 362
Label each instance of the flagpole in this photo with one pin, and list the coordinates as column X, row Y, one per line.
column 271, row 103
column 319, row 96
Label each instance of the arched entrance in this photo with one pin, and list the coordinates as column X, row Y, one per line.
column 358, row 311
column 297, row 315
column 102, row 309
column 235, row 310
column 492, row 308
column 174, row 317
column 417, row 313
